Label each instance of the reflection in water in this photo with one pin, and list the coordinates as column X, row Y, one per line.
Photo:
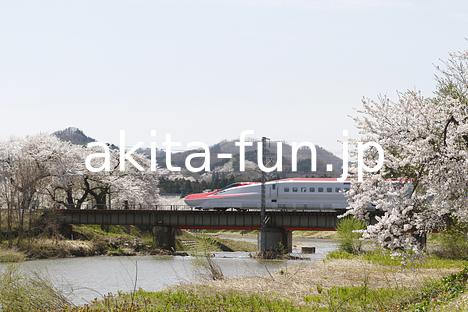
column 83, row 279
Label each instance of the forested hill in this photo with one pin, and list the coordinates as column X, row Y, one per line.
column 224, row 171
column 73, row 135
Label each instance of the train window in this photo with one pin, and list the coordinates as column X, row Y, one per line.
column 337, row 190
column 312, row 189
column 273, row 186
column 286, row 189
column 346, row 187
column 320, row 189
column 303, row 189
column 329, row 190
column 294, row 189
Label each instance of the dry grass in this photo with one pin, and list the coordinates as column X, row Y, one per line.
column 43, row 248
column 11, row 255
column 315, row 234
column 299, row 281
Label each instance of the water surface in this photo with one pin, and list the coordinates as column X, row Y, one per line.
column 83, row 279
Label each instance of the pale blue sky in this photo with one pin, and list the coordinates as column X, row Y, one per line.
column 205, row 70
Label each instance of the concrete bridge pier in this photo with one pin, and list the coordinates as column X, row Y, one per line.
column 277, row 241
column 164, row 237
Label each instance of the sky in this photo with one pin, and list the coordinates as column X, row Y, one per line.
column 206, row 70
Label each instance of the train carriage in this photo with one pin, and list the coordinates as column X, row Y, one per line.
column 284, row 194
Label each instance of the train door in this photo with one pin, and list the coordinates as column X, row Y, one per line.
column 273, row 198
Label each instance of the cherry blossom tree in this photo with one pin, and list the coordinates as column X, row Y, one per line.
column 123, row 187
column 44, row 170
column 423, row 185
column 25, row 166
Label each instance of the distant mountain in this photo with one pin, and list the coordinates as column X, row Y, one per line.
column 74, row 136
column 230, row 167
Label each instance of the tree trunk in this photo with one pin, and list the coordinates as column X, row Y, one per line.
column 20, row 226
column 70, row 202
column 1, row 234
column 101, row 202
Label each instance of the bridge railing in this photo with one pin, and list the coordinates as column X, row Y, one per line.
column 176, row 208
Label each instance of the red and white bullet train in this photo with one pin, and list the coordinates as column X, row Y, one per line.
column 295, row 193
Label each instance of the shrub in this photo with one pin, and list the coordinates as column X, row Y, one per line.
column 453, row 242
column 348, row 238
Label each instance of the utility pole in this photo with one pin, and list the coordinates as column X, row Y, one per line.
column 263, row 200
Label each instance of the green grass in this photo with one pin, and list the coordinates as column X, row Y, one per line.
column 11, row 255
column 451, row 243
column 235, row 245
column 441, row 292
column 115, row 231
column 202, row 243
column 187, row 301
column 339, row 254
column 359, row 298
column 433, row 295
column 20, row 292
column 382, row 257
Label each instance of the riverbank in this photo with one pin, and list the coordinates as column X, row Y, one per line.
column 339, row 281
column 335, row 284
column 91, row 240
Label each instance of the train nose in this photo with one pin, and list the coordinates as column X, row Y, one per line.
column 193, row 200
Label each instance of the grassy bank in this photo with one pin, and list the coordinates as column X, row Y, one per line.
column 350, row 279
column 87, row 240
column 11, row 255
column 19, row 292
column 381, row 257
column 82, row 241
column 371, row 281
column 91, row 240
column 296, row 234
column 183, row 300
column 203, row 242
column 299, row 293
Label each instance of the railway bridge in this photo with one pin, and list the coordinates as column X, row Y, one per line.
column 165, row 222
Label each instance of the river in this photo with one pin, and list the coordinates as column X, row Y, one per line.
column 82, row 279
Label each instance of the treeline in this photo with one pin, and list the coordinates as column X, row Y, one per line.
column 184, row 186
